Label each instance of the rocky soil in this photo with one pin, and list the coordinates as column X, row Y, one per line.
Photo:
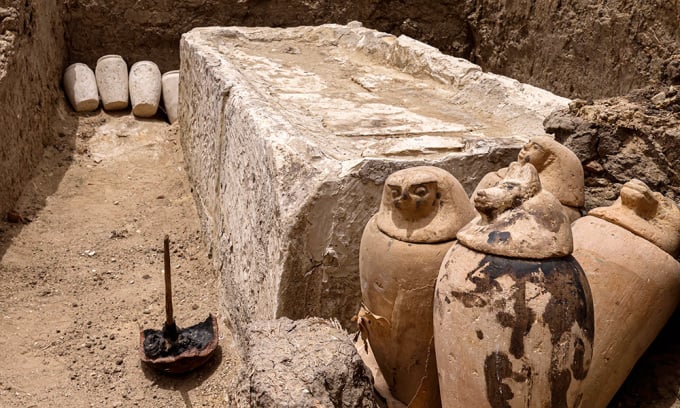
column 84, row 274
column 625, row 137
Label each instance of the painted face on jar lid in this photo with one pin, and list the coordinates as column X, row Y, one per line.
column 415, row 200
column 535, row 154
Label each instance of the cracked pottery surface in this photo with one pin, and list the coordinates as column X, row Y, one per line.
column 401, row 250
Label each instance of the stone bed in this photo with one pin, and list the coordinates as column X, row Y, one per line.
column 289, row 134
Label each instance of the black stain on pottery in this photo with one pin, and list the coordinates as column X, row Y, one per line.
column 497, row 367
column 496, row 237
column 578, row 365
column 569, row 305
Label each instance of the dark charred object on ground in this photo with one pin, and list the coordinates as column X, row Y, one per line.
column 174, row 350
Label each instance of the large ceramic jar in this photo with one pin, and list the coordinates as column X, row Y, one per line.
column 513, row 314
column 112, row 82
column 401, row 250
column 628, row 252
column 81, row 87
column 145, row 88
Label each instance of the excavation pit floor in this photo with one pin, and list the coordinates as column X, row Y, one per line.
column 81, row 279
column 85, row 275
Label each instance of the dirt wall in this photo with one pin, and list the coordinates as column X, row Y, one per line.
column 32, row 54
column 152, row 29
column 575, row 48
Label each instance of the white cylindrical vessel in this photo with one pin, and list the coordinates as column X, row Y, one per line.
column 170, row 82
column 81, row 87
column 145, row 88
column 112, row 81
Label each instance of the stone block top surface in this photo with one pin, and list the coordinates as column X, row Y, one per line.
column 357, row 92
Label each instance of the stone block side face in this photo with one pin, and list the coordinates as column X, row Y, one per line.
column 324, row 249
column 31, row 60
column 247, row 180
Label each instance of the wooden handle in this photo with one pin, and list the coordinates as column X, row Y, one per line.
column 169, row 319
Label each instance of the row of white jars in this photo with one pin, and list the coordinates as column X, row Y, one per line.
column 110, row 80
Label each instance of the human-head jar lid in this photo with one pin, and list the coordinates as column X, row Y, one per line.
column 423, row 204
column 645, row 213
column 518, row 218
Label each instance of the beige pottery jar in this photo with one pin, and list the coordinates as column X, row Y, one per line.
column 628, row 254
column 513, row 315
column 80, row 85
column 112, row 82
column 400, row 253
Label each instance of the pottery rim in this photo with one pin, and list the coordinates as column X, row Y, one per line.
column 169, row 73
column 144, row 62
column 109, row 56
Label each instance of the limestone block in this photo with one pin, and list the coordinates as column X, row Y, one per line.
column 305, row 363
column 289, row 134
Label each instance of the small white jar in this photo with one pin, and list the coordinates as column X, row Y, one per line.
column 81, row 87
column 170, row 82
column 145, row 88
column 112, row 81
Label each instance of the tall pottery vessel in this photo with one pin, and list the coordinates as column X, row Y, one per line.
column 513, row 313
column 401, row 250
column 628, row 252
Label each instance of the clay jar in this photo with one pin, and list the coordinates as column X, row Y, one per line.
column 559, row 170
column 513, row 314
column 170, row 83
column 112, row 81
column 81, row 87
column 145, row 88
column 401, row 250
column 628, row 253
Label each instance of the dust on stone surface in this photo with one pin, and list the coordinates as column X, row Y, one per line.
column 83, row 278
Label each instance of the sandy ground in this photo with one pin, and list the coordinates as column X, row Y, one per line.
column 79, row 281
